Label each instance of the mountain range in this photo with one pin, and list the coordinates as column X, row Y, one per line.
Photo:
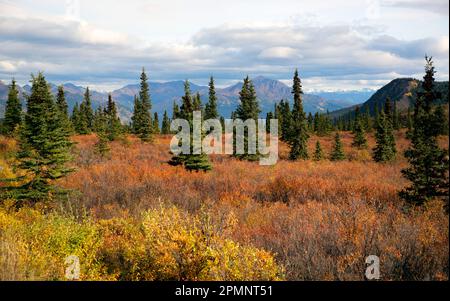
column 163, row 95
column 401, row 90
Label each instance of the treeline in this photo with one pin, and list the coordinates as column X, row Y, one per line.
column 43, row 132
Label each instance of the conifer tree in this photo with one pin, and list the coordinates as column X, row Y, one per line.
column 247, row 109
column 192, row 162
column 145, row 120
column 385, row 149
column 165, row 129
column 86, row 114
column 359, row 139
column 211, row 106
column 318, row 153
column 366, row 119
column 338, row 152
column 63, row 110
column 13, row 110
column 113, row 125
column 175, row 111
column 310, row 122
column 101, row 127
column 77, row 120
column 197, row 103
column 428, row 170
column 136, row 123
column 286, row 120
column 395, row 117
column 269, row 116
column 99, row 122
column 156, row 129
column 43, row 147
column 299, row 136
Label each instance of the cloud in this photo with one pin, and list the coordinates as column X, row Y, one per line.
column 74, row 50
column 436, row 6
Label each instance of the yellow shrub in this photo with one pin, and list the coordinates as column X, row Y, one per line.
column 173, row 245
column 34, row 246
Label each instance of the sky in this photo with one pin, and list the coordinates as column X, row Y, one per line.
column 336, row 45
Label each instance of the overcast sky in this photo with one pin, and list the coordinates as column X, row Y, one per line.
column 348, row 44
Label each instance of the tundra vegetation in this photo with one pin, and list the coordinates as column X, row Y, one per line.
column 86, row 185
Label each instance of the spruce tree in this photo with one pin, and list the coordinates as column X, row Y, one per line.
column 338, row 151
column 77, row 120
column 395, row 117
column 211, row 107
column 63, row 110
column 101, row 126
column 385, row 149
column 318, row 153
column 247, row 109
column 428, row 170
column 86, row 114
column 269, row 116
column 156, row 129
column 145, row 126
column 113, row 125
column 359, row 139
column 310, row 122
column 299, row 136
column 366, row 119
column 286, row 120
column 165, row 129
column 136, row 123
column 13, row 110
column 175, row 111
column 192, row 162
column 43, row 147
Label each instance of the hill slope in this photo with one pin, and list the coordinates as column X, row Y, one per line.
column 403, row 90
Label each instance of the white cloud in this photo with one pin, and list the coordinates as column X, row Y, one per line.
column 327, row 53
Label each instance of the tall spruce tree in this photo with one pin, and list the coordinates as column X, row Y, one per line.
column 247, row 109
column 146, row 127
column 87, row 113
column 63, row 109
column 13, row 110
column 165, row 128
column 136, row 123
column 192, row 162
column 113, row 125
column 211, row 107
column 428, row 170
column 286, row 120
column 359, row 139
column 77, row 120
column 156, row 129
column 338, row 151
column 43, row 148
column 101, row 127
column 299, row 136
column 385, row 149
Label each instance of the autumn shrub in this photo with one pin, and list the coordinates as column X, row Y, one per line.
column 34, row 246
column 173, row 245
